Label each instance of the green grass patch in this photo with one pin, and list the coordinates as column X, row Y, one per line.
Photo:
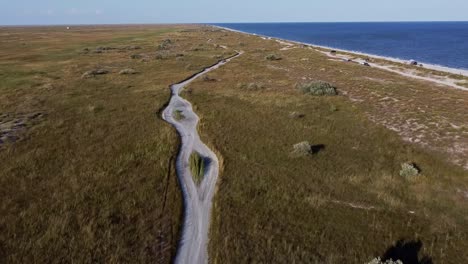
column 178, row 115
column 197, row 167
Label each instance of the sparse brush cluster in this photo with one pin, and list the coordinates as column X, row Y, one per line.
column 103, row 49
column 165, row 44
column 302, row 149
column 200, row 47
column 94, row 73
column 161, row 55
column 317, row 88
column 409, row 170
column 380, row 261
column 272, row 57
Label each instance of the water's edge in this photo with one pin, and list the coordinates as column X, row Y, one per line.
column 431, row 66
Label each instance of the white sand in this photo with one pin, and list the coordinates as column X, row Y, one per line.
column 198, row 200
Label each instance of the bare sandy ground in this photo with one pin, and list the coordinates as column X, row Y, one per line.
column 407, row 73
column 197, row 199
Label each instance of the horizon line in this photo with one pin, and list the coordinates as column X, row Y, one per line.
column 209, row 23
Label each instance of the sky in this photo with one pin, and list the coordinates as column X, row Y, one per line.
column 41, row 12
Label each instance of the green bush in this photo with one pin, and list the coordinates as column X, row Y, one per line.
column 317, row 88
column 408, row 170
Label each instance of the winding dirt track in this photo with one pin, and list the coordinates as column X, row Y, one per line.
column 197, row 199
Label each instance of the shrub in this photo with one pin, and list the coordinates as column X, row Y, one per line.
column 165, row 44
column 93, row 73
column 302, row 149
column 272, row 57
column 197, row 167
column 379, row 261
column 161, row 55
column 408, row 170
column 317, row 88
column 128, row 71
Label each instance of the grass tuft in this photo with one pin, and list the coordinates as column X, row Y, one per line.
column 197, row 167
column 178, row 115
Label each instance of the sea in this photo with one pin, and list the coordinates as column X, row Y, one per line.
column 437, row 43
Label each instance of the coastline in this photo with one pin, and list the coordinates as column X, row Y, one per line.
column 428, row 66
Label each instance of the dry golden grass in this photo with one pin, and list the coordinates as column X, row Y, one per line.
column 347, row 203
column 93, row 180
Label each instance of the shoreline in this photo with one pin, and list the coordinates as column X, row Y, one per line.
column 427, row 66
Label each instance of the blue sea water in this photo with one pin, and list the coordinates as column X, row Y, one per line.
column 439, row 43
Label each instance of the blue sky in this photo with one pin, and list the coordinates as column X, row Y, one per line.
column 16, row 12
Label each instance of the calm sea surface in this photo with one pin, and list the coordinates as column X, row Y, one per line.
column 440, row 43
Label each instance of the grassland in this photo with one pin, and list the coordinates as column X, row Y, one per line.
column 92, row 180
column 347, row 203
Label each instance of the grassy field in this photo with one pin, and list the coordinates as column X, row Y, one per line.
column 89, row 175
column 87, row 166
column 347, row 202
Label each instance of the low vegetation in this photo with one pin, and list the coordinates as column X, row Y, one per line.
column 207, row 78
column 273, row 57
column 178, row 115
column 251, row 86
column 94, row 179
column 311, row 210
column 389, row 261
column 197, row 167
column 127, row 71
column 317, row 88
column 408, row 170
column 165, row 44
column 301, row 149
column 86, row 168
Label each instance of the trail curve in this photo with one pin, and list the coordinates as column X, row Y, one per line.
column 197, row 198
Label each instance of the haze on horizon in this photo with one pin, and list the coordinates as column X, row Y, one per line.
column 28, row 12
